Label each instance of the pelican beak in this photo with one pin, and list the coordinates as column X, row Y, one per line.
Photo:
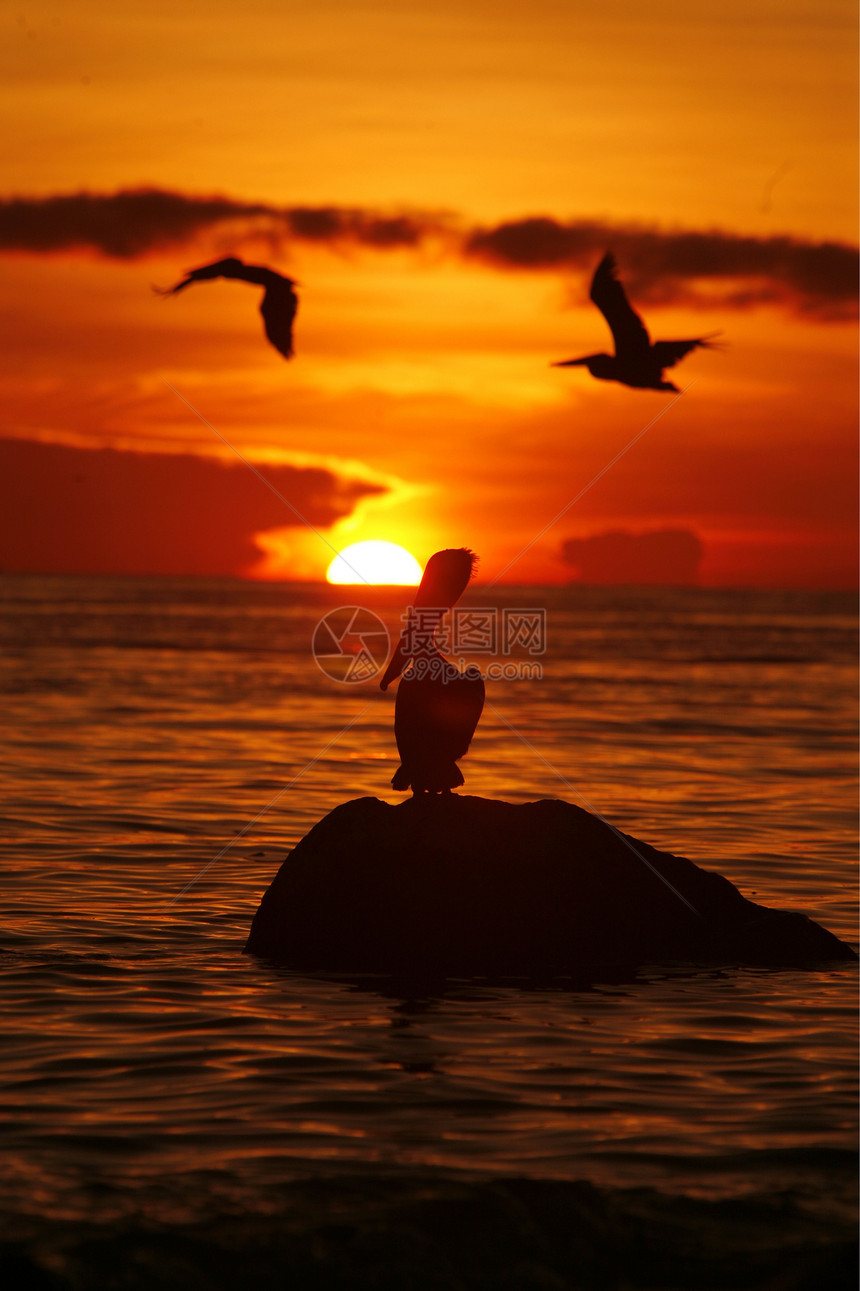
column 398, row 662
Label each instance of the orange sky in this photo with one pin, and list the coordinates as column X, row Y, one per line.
column 715, row 153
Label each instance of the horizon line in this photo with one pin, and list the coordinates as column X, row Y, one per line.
column 569, row 584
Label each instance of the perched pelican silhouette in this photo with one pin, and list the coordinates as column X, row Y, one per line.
column 279, row 303
column 438, row 707
column 637, row 361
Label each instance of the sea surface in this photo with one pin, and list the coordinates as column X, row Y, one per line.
column 175, row 1113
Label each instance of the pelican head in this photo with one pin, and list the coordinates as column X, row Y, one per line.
column 446, row 577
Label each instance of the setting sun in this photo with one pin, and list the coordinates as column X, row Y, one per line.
column 374, row 561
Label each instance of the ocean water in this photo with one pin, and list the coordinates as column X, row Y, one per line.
column 176, row 1113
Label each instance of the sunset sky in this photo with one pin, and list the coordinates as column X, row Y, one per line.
column 442, row 180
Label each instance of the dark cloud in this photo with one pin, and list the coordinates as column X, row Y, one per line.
column 686, row 268
column 123, row 225
column 663, row 556
column 668, row 267
column 332, row 224
column 106, row 511
column 134, row 222
column 538, row 243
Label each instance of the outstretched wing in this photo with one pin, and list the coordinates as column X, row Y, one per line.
column 279, row 303
column 667, row 353
column 278, row 308
column 229, row 268
column 628, row 331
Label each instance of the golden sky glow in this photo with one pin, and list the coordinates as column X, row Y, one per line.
column 420, row 407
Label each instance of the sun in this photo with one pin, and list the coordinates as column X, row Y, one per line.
column 374, row 562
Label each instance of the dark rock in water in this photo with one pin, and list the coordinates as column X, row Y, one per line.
column 461, row 886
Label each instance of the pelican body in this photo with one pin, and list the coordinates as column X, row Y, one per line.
column 637, row 362
column 438, row 707
column 279, row 303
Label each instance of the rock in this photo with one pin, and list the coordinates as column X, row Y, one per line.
column 462, row 886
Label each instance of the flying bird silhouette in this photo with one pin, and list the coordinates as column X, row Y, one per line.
column 637, row 361
column 438, row 707
column 279, row 303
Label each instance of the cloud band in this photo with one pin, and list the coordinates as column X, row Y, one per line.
column 664, row 267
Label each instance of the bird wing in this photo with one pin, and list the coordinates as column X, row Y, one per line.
column 472, row 700
column 278, row 307
column 628, row 331
column 668, row 353
column 279, row 303
column 229, row 268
